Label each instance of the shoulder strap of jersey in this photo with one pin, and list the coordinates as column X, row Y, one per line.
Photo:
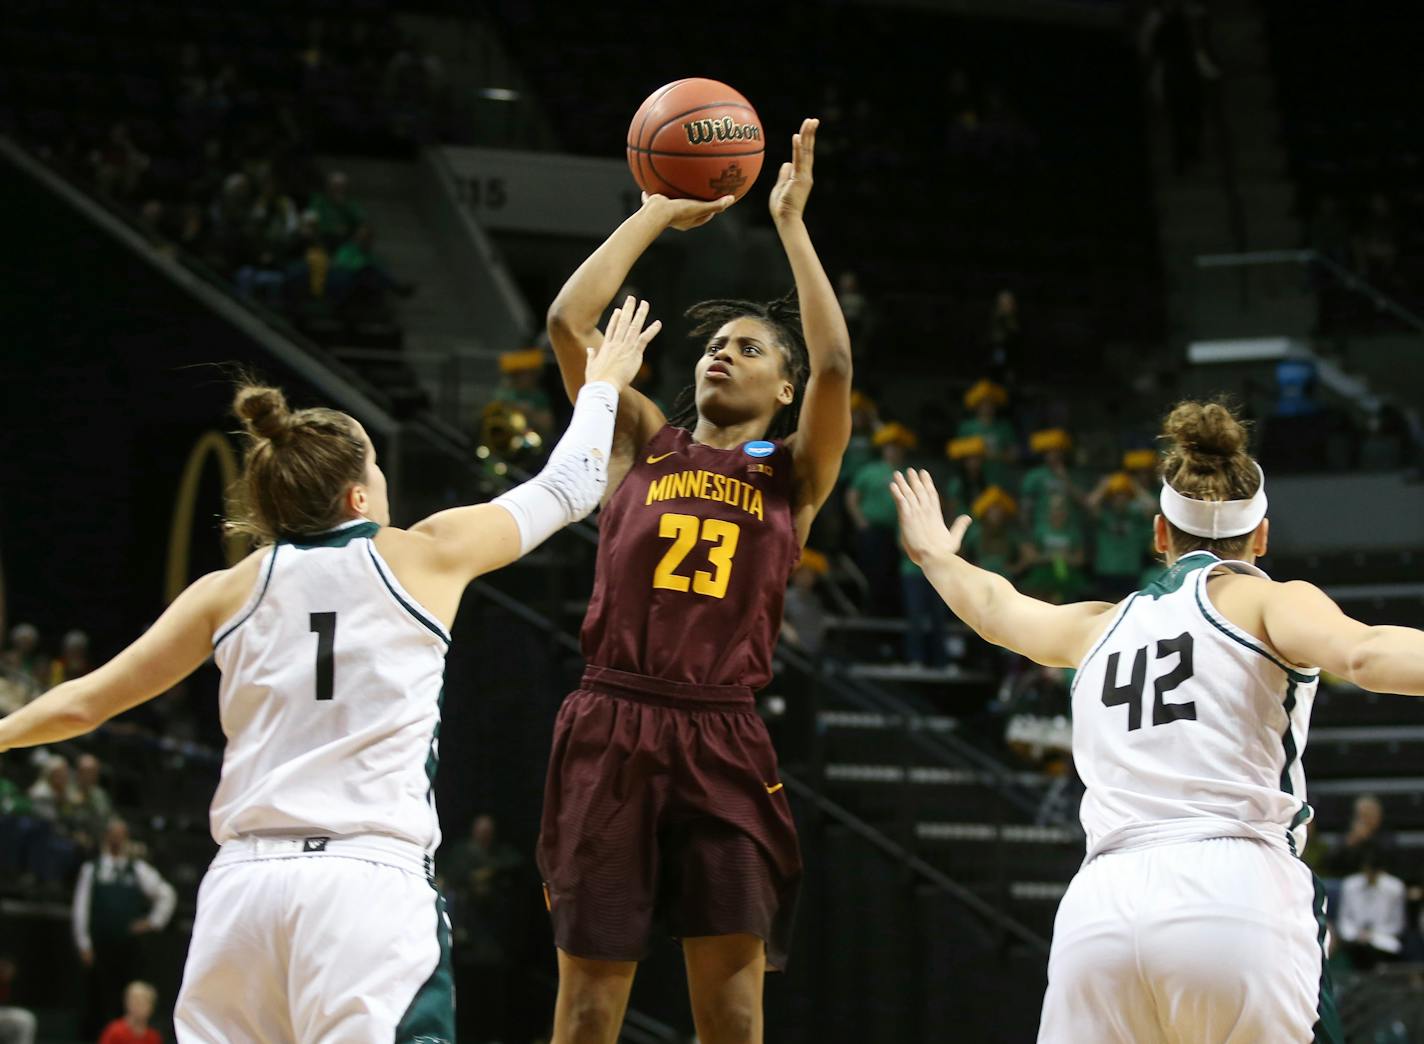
column 1244, row 568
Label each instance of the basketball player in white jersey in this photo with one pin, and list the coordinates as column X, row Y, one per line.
column 319, row 920
column 1191, row 919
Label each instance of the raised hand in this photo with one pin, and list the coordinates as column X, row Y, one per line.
column 683, row 214
column 793, row 183
column 922, row 525
column 620, row 355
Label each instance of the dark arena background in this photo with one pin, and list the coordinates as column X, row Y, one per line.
column 1096, row 207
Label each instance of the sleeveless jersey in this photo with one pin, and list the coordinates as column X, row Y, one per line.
column 696, row 548
column 1186, row 727
column 330, row 698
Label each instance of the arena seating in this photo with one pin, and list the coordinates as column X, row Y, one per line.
column 949, row 192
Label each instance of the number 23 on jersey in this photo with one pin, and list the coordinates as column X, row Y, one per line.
column 685, row 532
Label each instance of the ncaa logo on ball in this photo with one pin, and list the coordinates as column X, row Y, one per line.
column 759, row 449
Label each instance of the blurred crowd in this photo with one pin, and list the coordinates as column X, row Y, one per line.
column 215, row 159
column 63, row 841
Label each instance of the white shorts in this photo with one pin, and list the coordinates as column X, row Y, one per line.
column 318, row 940
column 1201, row 942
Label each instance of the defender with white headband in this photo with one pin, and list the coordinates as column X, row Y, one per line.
column 1192, row 918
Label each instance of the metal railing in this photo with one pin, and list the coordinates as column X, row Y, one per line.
column 1314, row 259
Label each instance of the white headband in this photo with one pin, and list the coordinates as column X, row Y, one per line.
column 1214, row 519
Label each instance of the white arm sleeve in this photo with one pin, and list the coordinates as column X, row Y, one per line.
column 575, row 475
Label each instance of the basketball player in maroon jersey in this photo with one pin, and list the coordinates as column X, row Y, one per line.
column 663, row 804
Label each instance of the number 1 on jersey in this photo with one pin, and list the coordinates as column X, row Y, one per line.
column 324, row 625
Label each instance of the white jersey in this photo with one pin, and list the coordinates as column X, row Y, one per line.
column 330, row 698
column 1186, row 727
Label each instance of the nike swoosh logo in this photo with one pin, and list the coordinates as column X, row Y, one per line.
column 665, row 456
column 771, row 789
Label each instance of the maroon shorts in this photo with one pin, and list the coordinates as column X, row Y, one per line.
column 663, row 807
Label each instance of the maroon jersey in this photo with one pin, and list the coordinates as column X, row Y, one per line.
column 696, row 550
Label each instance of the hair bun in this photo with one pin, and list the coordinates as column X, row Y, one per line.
column 263, row 411
column 1205, row 430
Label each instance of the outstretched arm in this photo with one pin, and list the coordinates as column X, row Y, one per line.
column 1053, row 635
column 573, row 317
column 173, row 648
column 469, row 541
column 1306, row 627
column 824, row 430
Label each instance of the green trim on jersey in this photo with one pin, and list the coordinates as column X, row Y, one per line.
column 1082, row 667
column 432, row 626
column 1304, row 813
column 1291, row 673
column 1327, row 1028
column 432, row 757
column 430, row 1019
column 271, row 565
column 1171, row 581
column 333, row 537
column 1288, row 738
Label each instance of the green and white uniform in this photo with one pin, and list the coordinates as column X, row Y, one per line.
column 1192, row 918
column 319, row 919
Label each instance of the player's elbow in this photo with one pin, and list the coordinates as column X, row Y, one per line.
column 76, row 713
column 835, row 360
column 1368, row 661
column 558, row 318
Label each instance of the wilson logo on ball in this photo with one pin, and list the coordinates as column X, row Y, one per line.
column 708, row 132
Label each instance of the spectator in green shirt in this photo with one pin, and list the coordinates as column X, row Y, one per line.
column 338, row 215
column 1123, row 511
column 357, row 274
column 994, row 541
column 1051, row 478
column 1000, row 440
column 1058, row 555
column 966, row 482
column 872, row 511
column 1143, row 466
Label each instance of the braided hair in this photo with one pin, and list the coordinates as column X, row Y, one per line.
column 783, row 315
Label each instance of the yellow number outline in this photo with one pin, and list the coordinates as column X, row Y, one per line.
column 684, row 531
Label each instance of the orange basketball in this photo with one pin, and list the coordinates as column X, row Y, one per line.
column 695, row 139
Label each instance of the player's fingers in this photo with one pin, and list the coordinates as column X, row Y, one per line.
column 610, row 332
column 625, row 316
column 960, row 527
column 808, row 140
column 648, row 334
column 635, row 326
